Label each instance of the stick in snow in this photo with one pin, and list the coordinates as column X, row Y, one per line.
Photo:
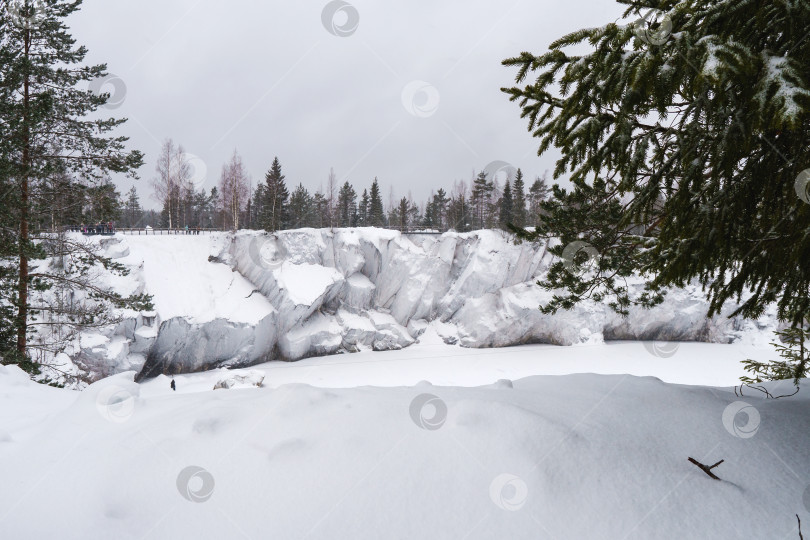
column 706, row 468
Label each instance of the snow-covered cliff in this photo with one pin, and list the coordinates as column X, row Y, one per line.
column 241, row 299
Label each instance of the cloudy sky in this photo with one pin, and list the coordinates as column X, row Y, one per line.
column 405, row 90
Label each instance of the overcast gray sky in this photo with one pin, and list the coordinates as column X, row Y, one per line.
column 405, row 90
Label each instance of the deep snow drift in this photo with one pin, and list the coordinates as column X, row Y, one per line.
column 238, row 300
column 575, row 456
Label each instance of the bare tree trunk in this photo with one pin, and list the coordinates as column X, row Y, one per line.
column 169, row 187
column 22, row 308
column 234, row 187
column 331, row 188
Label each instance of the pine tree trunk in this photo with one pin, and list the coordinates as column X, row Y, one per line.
column 22, row 307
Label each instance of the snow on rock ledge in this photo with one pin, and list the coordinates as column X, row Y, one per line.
column 237, row 300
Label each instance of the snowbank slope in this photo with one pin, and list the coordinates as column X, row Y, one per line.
column 581, row 456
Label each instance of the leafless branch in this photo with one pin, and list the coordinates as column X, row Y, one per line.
column 705, row 468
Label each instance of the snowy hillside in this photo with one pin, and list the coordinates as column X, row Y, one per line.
column 225, row 300
column 429, row 431
column 576, row 456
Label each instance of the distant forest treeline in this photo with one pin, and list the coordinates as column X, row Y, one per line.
column 489, row 200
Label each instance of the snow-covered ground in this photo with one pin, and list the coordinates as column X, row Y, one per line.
column 451, row 365
column 431, row 428
column 433, row 441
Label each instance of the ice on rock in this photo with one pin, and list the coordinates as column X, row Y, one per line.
column 184, row 347
column 320, row 334
column 358, row 292
column 390, row 334
column 417, row 327
column 349, row 259
column 239, row 299
column 358, row 331
column 306, row 284
column 511, row 316
column 296, row 286
column 681, row 318
column 251, row 378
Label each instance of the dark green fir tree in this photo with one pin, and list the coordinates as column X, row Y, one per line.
column 275, row 195
column 684, row 130
column 347, row 206
column 519, row 210
column 507, row 209
column 47, row 129
column 376, row 212
column 300, row 208
column 363, row 209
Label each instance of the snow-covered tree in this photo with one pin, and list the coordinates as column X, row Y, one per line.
column 794, row 363
column 75, row 300
column 690, row 123
column 46, row 124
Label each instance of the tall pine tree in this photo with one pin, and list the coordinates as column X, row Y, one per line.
column 132, row 209
column 46, row 130
column 519, row 210
column 507, row 206
column 363, row 210
column 538, row 193
column 300, row 208
column 481, row 191
column 275, row 194
column 347, row 206
column 376, row 212
column 439, row 205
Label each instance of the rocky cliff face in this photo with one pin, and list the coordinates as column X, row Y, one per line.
column 324, row 292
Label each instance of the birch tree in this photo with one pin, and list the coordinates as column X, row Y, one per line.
column 234, row 189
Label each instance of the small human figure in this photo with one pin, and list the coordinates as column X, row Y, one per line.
column 174, row 386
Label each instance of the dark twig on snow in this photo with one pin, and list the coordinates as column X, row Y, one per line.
column 800, row 527
column 763, row 390
column 706, row 468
